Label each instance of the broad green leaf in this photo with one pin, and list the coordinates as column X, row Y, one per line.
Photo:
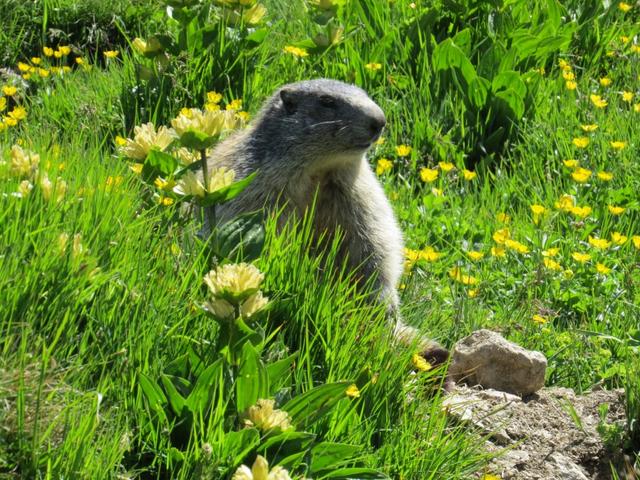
column 237, row 445
column 253, row 381
column 478, row 91
column 287, row 442
column 509, row 79
column 448, row 55
column 197, row 140
column 510, row 102
column 227, row 193
column 162, row 162
column 328, row 455
column 152, row 392
column 175, row 399
column 203, row 390
column 310, row 406
column 258, row 35
column 280, row 371
column 243, row 235
column 354, row 474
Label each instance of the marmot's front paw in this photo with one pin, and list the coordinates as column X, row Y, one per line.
column 437, row 356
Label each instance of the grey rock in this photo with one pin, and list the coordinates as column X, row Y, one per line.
column 487, row 359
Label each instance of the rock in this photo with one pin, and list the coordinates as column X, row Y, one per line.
column 485, row 358
column 565, row 467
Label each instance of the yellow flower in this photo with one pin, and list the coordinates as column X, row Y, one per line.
column 120, row 141
column 589, row 128
column 186, row 156
column 580, row 142
column 220, row 308
column 437, row 192
column 420, row 363
column 162, row 184
column 568, row 273
column 48, row 52
column 253, row 304
column 190, row 185
column 429, row 254
column 25, row 188
column 260, row 471
column 605, row 82
column 581, row 257
column 597, row 100
column 517, row 246
column 625, row 7
column 296, row 52
column 473, row 292
column 111, row 53
column 627, row 96
column 599, row 243
column 373, row 66
column 468, row 174
column 605, row 176
column 9, row 90
column 501, row 236
column 64, row 50
column 551, row 264
column 18, row 113
column 564, row 65
column 23, row 67
column 214, row 97
column 165, row 201
column 233, row 278
column 570, row 85
column 352, row 391
column 636, row 108
column 539, row 319
column 3, row 103
column 550, row 252
column 380, row 141
column 136, row 168
column 23, row 162
column 581, row 212
column 235, row 104
column 446, row 166
column 456, row 274
column 502, row 217
column 489, row 476
column 265, row 417
column 43, row 72
column 568, row 75
column 618, row 145
column 244, row 116
column 53, row 191
column 36, row 60
column 9, row 122
column 403, row 150
column 475, row 256
column 429, row 174
column 498, row 251
column 538, row 209
column 618, row 238
column 581, row 175
column 571, row 163
column 79, row 60
column 146, row 139
column 210, row 123
column 147, row 47
column 636, row 241
column 602, row 269
column 615, row 210
column 383, row 166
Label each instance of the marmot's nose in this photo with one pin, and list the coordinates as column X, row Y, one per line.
column 377, row 123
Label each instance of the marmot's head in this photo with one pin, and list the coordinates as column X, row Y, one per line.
column 322, row 118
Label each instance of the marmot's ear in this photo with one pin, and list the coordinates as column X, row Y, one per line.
column 288, row 101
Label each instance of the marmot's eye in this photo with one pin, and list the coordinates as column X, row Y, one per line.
column 327, row 101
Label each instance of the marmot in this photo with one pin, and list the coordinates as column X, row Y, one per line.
column 310, row 138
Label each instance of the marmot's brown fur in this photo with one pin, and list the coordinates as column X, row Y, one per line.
column 310, row 138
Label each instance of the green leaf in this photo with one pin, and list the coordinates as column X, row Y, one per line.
column 227, row 193
column 448, row 55
column 162, row 162
column 197, row 140
column 509, row 79
column 287, row 442
column 153, row 393
column 280, row 371
column 257, row 36
column 175, row 399
column 509, row 102
column 237, row 445
column 478, row 91
column 243, row 236
column 202, row 393
column 328, row 455
column 310, row 406
column 355, row 474
column 253, row 381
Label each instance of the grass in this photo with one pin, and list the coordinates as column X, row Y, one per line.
column 82, row 320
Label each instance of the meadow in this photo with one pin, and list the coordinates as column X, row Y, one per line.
column 132, row 347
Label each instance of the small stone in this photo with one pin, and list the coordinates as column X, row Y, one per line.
column 566, row 468
column 486, row 358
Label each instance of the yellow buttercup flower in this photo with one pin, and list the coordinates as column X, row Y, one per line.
column 517, row 246
column 214, row 97
column 627, row 96
column 625, row 7
column 48, row 51
column 538, row 209
column 571, row 163
column 352, row 391
column 502, row 235
column 235, row 104
column 18, row 113
column 615, row 210
column 3, row 103
column 373, row 66
column 295, row 51
column 9, row 90
column 429, row 174
column 79, row 60
column 429, row 254
column 581, row 257
column 111, row 53
column 550, row 252
column 403, row 150
column 446, row 166
column 605, row 82
column 636, row 241
column 43, row 72
column 597, row 100
column 599, row 243
column 456, row 274
column 420, row 363
column 551, row 264
column 468, row 174
column 383, row 166
column 539, row 319
column 568, row 75
column 580, row 142
column 475, row 256
column 502, row 217
column 602, row 269
column 618, row 238
column 570, row 85
column 605, row 176
column 636, row 108
column 581, row 175
column 165, row 201
column 618, row 145
column 581, row 212
column 473, row 292
column 498, row 251
column 589, row 128
column 36, row 60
